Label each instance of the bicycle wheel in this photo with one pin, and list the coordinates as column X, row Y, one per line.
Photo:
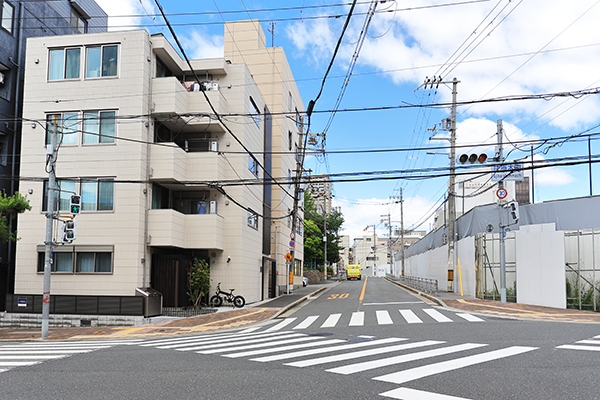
column 216, row 301
column 239, row 301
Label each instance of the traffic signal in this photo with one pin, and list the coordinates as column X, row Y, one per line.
column 69, row 229
column 513, row 212
column 75, row 207
column 472, row 158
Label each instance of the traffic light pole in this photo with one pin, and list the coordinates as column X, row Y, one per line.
column 51, row 155
column 451, row 194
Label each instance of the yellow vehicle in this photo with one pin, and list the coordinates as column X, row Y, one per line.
column 353, row 271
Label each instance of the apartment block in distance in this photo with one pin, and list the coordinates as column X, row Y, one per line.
column 162, row 179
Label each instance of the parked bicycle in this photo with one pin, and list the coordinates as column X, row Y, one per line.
column 220, row 296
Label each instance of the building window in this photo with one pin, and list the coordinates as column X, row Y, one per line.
column 298, row 120
column 253, row 166
column 67, row 127
column 101, row 61
column 252, row 220
column 8, row 12
column 62, row 198
column 97, row 195
column 64, row 63
column 254, row 112
column 99, row 127
column 60, row 262
column 94, row 262
column 290, row 140
column 290, row 101
column 74, row 259
column 78, row 22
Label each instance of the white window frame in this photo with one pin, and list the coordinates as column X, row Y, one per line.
column 6, row 17
column 252, row 219
column 101, row 71
column 64, row 51
column 99, row 135
column 97, row 193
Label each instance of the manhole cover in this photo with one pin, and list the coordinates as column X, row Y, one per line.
column 360, row 339
column 320, row 334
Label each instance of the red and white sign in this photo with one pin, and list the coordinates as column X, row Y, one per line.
column 501, row 193
column 292, row 235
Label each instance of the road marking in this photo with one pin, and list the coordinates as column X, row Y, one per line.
column 357, row 319
column 197, row 339
column 283, row 348
column 259, row 345
column 307, row 322
column 412, row 394
column 470, row 318
column 281, row 325
column 576, row 347
column 225, row 341
column 589, row 342
column 438, row 316
column 17, row 363
column 362, row 353
column 50, row 347
column 4, row 352
column 410, row 317
column 362, row 293
column 328, row 349
column 383, row 317
column 250, row 330
column 393, row 302
column 331, row 321
column 32, row 357
column 445, row 366
column 369, row 365
column 267, row 338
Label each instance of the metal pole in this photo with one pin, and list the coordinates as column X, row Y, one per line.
column 49, row 221
column 451, row 194
column 590, row 161
column 502, row 227
column 325, row 237
column 532, row 179
column 402, row 229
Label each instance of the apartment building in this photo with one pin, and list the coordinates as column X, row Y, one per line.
column 20, row 20
column 321, row 191
column 245, row 42
column 162, row 179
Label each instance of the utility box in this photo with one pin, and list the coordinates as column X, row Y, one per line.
column 153, row 301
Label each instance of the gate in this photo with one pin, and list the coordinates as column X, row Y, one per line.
column 487, row 266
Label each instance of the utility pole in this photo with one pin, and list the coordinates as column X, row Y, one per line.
column 402, row 229
column 299, row 169
column 451, row 193
column 325, row 236
column 51, row 154
column 500, row 159
column 387, row 220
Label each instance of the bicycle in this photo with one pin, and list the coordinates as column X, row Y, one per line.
column 217, row 300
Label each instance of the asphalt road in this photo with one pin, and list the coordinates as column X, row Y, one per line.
column 357, row 340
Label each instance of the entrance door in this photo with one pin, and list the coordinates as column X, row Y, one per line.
column 169, row 276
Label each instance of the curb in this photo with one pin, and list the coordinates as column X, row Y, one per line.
column 295, row 303
column 426, row 295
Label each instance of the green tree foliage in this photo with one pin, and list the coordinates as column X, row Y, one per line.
column 314, row 225
column 198, row 280
column 11, row 206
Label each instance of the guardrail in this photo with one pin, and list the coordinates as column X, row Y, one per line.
column 422, row 284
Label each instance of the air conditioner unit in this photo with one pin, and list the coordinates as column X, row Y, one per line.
column 1, row 78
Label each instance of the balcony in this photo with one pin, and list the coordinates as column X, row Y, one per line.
column 171, row 163
column 170, row 97
column 170, row 228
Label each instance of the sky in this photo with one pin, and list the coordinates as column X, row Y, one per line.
column 509, row 50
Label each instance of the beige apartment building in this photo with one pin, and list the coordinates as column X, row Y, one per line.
column 161, row 178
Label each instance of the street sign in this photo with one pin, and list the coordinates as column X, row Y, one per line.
column 292, row 244
column 510, row 172
column 288, row 257
column 501, row 193
column 292, row 235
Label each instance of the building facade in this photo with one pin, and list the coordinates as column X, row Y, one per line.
column 20, row 20
column 321, row 191
column 163, row 178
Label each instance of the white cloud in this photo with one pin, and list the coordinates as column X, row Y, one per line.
column 127, row 14
column 199, row 44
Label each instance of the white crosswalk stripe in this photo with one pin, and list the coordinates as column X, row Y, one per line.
column 383, row 317
column 22, row 355
column 331, row 321
column 592, row 344
column 357, row 319
column 410, row 317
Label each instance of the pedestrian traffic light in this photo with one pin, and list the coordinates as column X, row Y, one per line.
column 69, row 231
column 472, row 158
column 75, row 207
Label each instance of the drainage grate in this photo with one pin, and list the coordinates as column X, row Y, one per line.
column 320, row 334
column 360, row 339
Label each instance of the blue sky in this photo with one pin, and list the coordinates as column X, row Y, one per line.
column 495, row 48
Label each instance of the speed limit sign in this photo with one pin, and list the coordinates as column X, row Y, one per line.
column 501, row 193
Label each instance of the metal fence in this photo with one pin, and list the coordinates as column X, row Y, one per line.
column 582, row 264
column 424, row 285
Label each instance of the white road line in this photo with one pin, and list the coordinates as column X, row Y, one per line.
column 259, row 345
column 469, row 317
column 4, row 352
column 17, row 363
column 357, row 319
column 363, row 353
column 597, row 337
column 202, row 339
column 50, row 347
column 200, row 345
column 384, row 362
column 3, row 370
column 244, row 341
column 281, row 325
column 250, row 329
column 576, row 347
column 327, row 349
column 383, row 317
column 393, row 302
column 331, row 321
column 438, row 316
column 412, row 394
column 410, row 317
column 32, row 357
column 445, row 366
column 284, row 348
column 589, row 342
column 307, row 322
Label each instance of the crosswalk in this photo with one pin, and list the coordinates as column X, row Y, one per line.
column 381, row 317
column 27, row 354
column 592, row 344
column 362, row 354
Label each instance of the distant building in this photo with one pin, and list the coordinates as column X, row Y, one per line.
column 320, row 188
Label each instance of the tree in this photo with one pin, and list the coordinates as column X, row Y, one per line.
column 10, row 207
column 198, row 280
column 313, row 232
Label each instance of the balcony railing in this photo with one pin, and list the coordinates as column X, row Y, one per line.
column 171, row 228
